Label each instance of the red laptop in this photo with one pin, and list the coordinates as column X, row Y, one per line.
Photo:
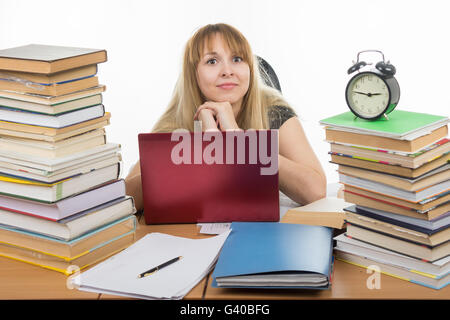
column 192, row 177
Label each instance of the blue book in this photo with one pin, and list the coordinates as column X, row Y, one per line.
column 275, row 255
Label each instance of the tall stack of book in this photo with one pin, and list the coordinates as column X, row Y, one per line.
column 63, row 205
column 396, row 172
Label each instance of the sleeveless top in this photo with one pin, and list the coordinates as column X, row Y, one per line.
column 279, row 115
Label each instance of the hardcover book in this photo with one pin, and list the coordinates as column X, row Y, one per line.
column 47, row 59
column 417, row 230
column 438, row 268
column 408, row 160
column 46, row 166
column 371, row 200
column 52, row 121
column 387, row 168
column 389, row 269
column 51, row 100
column 52, row 109
column 400, row 245
column 422, row 206
column 49, row 89
column 393, row 144
column 68, row 206
column 75, row 226
column 59, row 77
column 413, row 196
column 409, row 184
column 54, row 134
column 54, row 192
column 71, row 249
column 19, row 171
column 97, row 254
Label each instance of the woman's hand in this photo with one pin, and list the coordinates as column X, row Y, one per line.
column 206, row 116
column 223, row 113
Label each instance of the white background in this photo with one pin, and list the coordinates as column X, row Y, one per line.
column 310, row 44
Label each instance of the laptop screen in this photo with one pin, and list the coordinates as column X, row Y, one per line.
column 190, row 177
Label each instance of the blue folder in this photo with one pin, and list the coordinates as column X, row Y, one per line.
column 272, row 248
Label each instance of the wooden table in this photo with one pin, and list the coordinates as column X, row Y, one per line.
column 348, row 282
column 181, row 230
column 20, row 280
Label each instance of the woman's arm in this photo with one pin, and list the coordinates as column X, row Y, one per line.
column 300, row 174
column 133, row 186
column 133, row 182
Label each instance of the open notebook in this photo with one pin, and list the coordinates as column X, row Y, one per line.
column 119, row 274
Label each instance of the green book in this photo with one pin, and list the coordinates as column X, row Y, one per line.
column 405, row 125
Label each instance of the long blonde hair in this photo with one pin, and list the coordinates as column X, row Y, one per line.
column 187, row 96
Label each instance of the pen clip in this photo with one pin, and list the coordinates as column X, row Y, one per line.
column 142, row 275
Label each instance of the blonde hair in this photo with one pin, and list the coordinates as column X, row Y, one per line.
column 187, row 96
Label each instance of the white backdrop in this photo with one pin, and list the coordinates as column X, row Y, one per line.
column 310, row 44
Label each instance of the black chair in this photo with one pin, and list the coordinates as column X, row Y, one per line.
column 268, row 74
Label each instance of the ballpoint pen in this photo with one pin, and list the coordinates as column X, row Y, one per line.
column 153, row 270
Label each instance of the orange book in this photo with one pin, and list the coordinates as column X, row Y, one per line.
column 391, row 169
column 360, row 139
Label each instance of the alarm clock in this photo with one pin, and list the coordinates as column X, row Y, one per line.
column 374, row 93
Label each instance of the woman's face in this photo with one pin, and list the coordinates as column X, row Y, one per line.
column 222, row 75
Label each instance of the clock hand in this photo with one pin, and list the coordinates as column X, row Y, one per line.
column 366, row 94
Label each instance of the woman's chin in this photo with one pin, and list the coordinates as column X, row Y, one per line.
column 227, row 98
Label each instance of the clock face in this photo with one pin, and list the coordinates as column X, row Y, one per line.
column 368, row 95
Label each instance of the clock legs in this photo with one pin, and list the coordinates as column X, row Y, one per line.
column 384, row 115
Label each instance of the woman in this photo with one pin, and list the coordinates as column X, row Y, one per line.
column 220, row 85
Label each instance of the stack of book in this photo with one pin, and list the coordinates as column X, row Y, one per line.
column 63, row 205
column 396, row 173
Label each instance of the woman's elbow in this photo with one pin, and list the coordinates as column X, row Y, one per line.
column 320, row 193
column 317, row 190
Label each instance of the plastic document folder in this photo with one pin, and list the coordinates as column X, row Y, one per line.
column 119, row 274
column 275, row 255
